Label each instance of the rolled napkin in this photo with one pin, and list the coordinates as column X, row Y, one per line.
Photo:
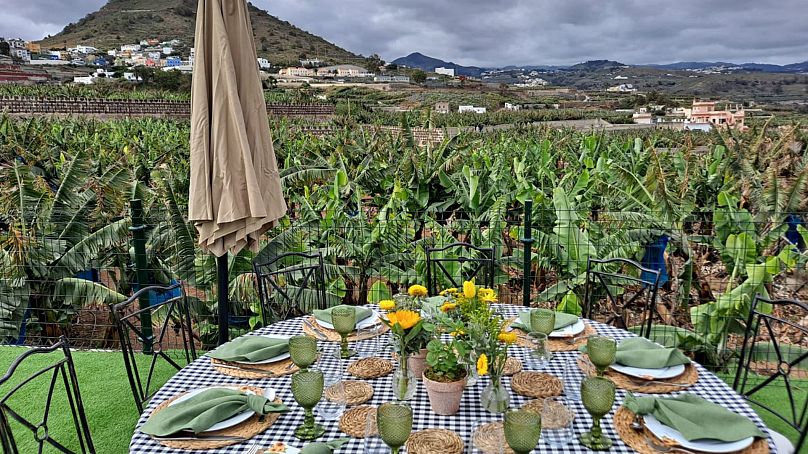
column 206, row 409
column 324, row 448
column 562, row 320
column 251, row 349
column 641, row 352
column 324, row 315
column 694, row 417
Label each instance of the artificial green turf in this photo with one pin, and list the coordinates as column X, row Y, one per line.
column 104, row 387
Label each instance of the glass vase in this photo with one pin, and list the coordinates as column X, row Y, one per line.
column 404, row 381
column 495, row 397
column 472, row 376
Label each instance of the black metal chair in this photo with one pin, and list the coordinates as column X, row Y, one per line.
column 766, row 361
column 62, row 371
column 644, row 285
column 479, row 264
column 290, row 285
column 135, row 327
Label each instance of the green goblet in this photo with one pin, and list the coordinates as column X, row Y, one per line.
column 522, row 430
column 601, row 351
column 394, row 421
column 597, row 394
column 307, row 389
column 344, row 320
column 303, row 350
column 542, row 321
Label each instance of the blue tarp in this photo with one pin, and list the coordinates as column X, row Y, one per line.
column 792, row 235
column 654, row 258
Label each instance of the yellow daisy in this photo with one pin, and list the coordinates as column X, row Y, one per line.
column 469, row 289
column 482, row 365
column 446, row 307
column 417, row 291
column 487, row 295
column 387, row 305
column 507, row 338
column 407, row 319
column 448, row 291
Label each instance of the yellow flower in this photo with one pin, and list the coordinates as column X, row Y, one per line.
column 392, row 318
column 487, row 295
column 448, row 291
column 469, row 289
column 418, row 291
column 457, row 332
column 482, row 365
column 407, row 319
column 508, row 338
column 446, row 307
column 387, row 305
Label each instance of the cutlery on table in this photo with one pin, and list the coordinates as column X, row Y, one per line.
column 319, row 334
column 665, row 448
column 202, row 438
column 642, row 383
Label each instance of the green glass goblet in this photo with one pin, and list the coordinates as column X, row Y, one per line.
column 394, row 421
column 344, row 320
column 601, row 351
column 597, row 394
column 307, row 389
column 303, row 350
column 522, row 430
column 542, row 321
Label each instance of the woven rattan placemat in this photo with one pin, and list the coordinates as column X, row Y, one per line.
column 372, row 367
column 557, row 344
column 536, row 384
column 356, row 392
column 276, row 369
column 434, row 441
column 490, row 439
column 687, row 378
column 354, row 421
column 333, row 336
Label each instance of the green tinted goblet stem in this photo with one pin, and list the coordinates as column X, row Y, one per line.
column 522, row 430
column 303, row 350
column 344, row 320
column 542, row 321
column 602, row 351
column 597, row 394
column 394, row 422
column 307, row 389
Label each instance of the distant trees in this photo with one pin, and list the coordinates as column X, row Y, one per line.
column 418, row 76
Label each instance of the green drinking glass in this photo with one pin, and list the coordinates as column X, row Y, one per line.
column 522, row 430
column 307, row 389
column 344, row 320
column 542, row 321
column 601, row 351
column 394, row 421
column 303, row 350
column 597, row 394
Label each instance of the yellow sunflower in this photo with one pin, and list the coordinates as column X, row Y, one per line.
column 392, row 318
column 407, row 319
column 507, row 338
column 446, row 307
column 387, row 305
column 417, row 291
column 469, row 289
column 482, row 365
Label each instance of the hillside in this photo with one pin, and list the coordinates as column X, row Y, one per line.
column 129, row 21
column 427, row 63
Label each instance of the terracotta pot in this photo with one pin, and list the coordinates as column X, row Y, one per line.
column 417, row 363
column 444, row 398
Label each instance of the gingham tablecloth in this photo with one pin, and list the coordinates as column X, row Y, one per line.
column 200, row 374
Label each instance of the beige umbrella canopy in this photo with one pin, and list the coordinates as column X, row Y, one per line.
column 235, row 191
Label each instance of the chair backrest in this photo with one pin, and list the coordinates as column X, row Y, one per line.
column 135, row 323
column 290, row 285
column 458, row 262
column 767, row 361
column 61, row 372
column 624, row 292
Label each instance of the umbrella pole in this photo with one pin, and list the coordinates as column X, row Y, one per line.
column 224, row 304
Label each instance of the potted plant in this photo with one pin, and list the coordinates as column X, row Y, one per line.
column 416, row 347
column 444, row 376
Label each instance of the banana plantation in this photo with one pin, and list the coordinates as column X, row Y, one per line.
column 724, row 211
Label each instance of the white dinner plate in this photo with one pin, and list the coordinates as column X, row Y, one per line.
column 366, row 323
column 274, row 359
column 232, row 421
column 660, row 430
column 650, row 374
column 570, row 330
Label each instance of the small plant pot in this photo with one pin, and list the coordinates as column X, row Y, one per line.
column 444, row 398
column 417, row 363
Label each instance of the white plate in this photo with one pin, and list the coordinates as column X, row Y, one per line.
column 366, row 323
column 570, row 330
column 274, row 359
column 650, row 374
column 660, row 430
column 232, row 421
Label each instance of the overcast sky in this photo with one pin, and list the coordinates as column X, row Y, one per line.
column 503, row 32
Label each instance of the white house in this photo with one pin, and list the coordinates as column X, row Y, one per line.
column 130, row 48
column 445, row 71
column 511, row 106
column 622, row 88
column 22, row 54
column 296, row 72
column 263, row 63
column 464, row 109
column 86, row 49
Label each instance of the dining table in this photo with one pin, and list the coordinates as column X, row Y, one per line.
column 201, row 374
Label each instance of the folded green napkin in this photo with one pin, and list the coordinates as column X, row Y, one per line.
column 324, row 315
column 206, row 409
column 694, row 417
column 562, row 320
column 324, row 448
column 641, row 352
column 251, row 349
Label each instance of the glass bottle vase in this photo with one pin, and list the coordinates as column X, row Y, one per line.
column 495, row 397
column 404, row 381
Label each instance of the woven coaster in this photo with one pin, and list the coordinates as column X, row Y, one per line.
column 557, row 344
column 534, row 405
column 276, row 369
column 356, row 392
column 490, row 439
column 512, row 366
column 333, row 336
column 536, row 384
column 354, row 421
column 432, row 441
column 255, row 425
column 635, row 439
column 686, row 379
column 372, row 367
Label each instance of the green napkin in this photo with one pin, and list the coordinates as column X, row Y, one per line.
column 251, row 349
column 641, row 352
column 324, row 448
column 324, row 315
column 206, row 409
column 694, row 417
column 562, row 320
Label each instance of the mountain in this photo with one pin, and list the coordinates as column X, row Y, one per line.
column 426, row 63
column 130, row 21
column 763, row 67
column 596, row 65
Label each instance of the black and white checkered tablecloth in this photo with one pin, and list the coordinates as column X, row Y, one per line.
column 201, row 374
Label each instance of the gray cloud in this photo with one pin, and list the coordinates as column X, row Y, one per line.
column 495, row 33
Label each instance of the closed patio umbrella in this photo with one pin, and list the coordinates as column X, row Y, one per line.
column 235, row 191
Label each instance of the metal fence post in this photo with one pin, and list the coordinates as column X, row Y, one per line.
column 528, row 243
column 138, row 230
